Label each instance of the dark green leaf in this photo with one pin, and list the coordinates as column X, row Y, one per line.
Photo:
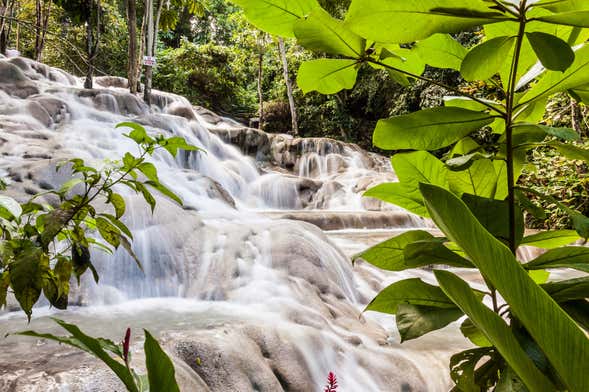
column 576, row 257
column 108, row 231
column 568, row 290
column 429, row 129
column 93, row 346
column 462, row 368
column 138, row 133
column 494, row 216
column 562, row 341
column 412, row 291
column 553, row 52
column 414, row 321
column 4, row 285
column 26, row 276
column 160, row 369
column 432, row 252
column 496, row 330
column 165, row 191
column 472, row 333
column 146, row 195
column 127, row 245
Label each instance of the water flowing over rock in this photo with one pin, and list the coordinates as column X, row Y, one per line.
column 249, row 285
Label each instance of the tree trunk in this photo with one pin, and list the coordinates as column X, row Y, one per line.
column 93, row 38
column 132, row 52
column 138, row 64
column 260, row 92
column 39, row 18
column 6, row 10
column 291, row 101
column 156, row 26
column 149, row 50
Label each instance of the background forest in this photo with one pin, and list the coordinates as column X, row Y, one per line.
column 208, row 52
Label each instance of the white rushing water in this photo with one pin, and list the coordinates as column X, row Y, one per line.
column 237, row 277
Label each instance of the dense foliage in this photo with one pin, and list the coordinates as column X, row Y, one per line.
column 460, row 167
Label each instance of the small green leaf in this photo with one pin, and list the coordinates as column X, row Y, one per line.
column 462, row 368
column 118, row 203
column 429, row 129
column 127, row 246
column 160, row 369
column 146, row 195
column 4, row 285
column 165, row 191
column 486, row 59
column 327, row 76
column 108, row 231
column 138, row 133
column 472, row 333
column 26, row 276
column 10, row 206
column 68, row 185
column 149, row 170
column 553, row 52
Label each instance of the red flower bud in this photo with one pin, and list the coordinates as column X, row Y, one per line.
column 331, row 383
column 126, row 343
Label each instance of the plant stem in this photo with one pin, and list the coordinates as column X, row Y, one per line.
column 510, row 105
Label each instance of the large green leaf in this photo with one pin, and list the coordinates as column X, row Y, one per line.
column 160, row 369
column 568, row 290
column 388, row 255
column 96, row 347
column 429, row 129
column 321, row 32
column 403, row 195
column 564, row 344
column 554, row 53
column 574, row 18
column 579, row 311
column 551, row 239
column 432, row 252
column 441, row 51
column 411, row 169
column 478, row 179
column 484, row 60
column 571, row 151
column 553, row 81
column 276, row 17
column 404, row 21
column 412, row 291
column 563, row 5
column 576, row 257
column 494, row 216
column 496, row 330
column 26, row 276
column 327, row 76
column 414, row 321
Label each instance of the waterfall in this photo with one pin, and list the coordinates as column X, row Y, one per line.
column 252, row 275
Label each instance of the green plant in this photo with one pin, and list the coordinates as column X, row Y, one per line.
column 531, row 51
column 160, row 369
column 42, row 246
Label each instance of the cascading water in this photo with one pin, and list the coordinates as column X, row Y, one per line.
column 244, row 292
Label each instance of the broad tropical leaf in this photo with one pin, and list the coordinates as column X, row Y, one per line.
column 565, row 345
column 429, row 129
column 486, row 59
column 576, row 257
column 496, row 330
column 276, row 17
column 554, row 53
column 327, row 76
